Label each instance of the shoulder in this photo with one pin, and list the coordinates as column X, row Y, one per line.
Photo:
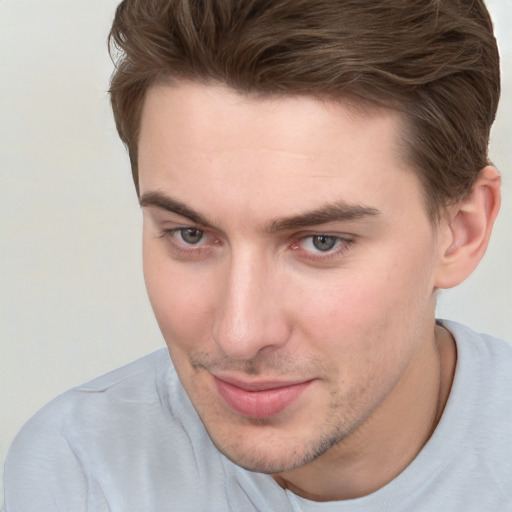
column 480, row 405
column 139, row 382
column 49, row 457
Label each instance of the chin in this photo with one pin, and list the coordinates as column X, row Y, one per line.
column 274, row 454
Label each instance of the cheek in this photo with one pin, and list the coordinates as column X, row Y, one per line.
column 369, row 310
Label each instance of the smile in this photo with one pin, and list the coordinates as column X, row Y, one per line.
column 259, row 400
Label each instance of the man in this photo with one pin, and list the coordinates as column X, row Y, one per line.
column 310, row 174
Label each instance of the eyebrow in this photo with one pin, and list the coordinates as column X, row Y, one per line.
column 340, row 211
column 172, row 205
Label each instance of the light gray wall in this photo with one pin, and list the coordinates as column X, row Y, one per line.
column 72, row 299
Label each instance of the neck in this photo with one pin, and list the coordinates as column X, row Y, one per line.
column 387, row 442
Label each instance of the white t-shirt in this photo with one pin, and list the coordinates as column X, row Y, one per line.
column 131, row 441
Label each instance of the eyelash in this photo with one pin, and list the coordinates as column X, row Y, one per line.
column 192, row 251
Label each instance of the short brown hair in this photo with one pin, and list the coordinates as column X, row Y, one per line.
column 434, row 60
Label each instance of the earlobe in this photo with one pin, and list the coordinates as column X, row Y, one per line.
column 467, row 229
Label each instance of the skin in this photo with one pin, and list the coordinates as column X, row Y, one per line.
column 246, row 294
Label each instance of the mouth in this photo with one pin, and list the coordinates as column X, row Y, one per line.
column 259, row 400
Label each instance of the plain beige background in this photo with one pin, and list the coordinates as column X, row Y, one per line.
column 72, row 298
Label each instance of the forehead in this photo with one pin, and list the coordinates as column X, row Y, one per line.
column 285, row 121
column 267, row 154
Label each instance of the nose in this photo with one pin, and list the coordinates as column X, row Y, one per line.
column 250, row 316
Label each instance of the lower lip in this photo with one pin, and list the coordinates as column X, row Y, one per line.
column 259, row 404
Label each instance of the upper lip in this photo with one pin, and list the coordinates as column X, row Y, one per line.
column 258, row 385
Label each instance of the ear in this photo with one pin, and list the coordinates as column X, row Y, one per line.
column 466, row 228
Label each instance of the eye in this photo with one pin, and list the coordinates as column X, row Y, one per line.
column 189, row 243
column 322, row 248
column 190, row 236
column 321, row 243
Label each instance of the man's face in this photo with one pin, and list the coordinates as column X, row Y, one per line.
column 290, row 263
